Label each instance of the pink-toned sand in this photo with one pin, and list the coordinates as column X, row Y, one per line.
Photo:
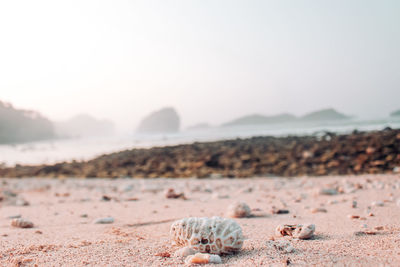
column 64, row 236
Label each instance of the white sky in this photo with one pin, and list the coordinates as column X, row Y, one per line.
column 212, row 60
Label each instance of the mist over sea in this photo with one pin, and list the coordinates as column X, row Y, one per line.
column 89, row 147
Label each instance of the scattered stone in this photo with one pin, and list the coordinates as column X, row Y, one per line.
column 354, row 204
column 378, row 203
column 21, row 223
column 184, row 252
column 200, row 258
column 170, row 193
column 21, row 202
column 379, row 228
column 14, row 216
column 132, row 199
column 217, row 195
column 279, row 156
column 279, row 211
column 327, row 191
column 238, row 210
column 105, row 198
column 84, row 215
column 105, row 220
column 316, row 210
column 350, row 216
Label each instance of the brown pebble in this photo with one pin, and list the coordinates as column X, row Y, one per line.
column 353, row 216
column 170, row 193
column 21, row 223
column 163, row 254
column 379, row 228
column 316, row 210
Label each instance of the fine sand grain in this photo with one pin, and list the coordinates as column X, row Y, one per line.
column 63, row 213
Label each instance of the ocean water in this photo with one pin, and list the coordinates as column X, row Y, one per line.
column 89, row 147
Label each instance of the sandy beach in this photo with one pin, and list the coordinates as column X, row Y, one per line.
column 63, row 212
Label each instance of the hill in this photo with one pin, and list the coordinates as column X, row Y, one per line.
column 324, row 114
column 261, row 119
column 18, row 126
column 84, row 125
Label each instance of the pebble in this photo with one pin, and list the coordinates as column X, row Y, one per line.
column 238, row 210
column 316, row 210
column 170, row 193
column 328, row 191
column 21, row 223
column 203, row 258
column 21, row 202
column 350, row 216
column 14, row 216
column 105, row 220
column 354, row 204
column 377, row 203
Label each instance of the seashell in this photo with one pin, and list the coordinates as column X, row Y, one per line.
column 214, row 235
column 299, row 231
column 21, row 223
column 200, row 258
column 184, row 252
column 305, row 231
column 239, row 210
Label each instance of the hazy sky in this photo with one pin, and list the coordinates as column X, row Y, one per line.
column 212, row 60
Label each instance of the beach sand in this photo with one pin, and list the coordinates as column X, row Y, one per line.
column 64, row 211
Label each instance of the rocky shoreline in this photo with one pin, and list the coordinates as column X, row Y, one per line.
column 326, row 154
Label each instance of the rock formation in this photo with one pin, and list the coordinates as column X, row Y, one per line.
column 165, row 120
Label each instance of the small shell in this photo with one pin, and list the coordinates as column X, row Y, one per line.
column 239, row 210
column 184, row 252
column 305, row 231
column 21, row 223
column 210, row 235
column 299, row 231
column 200, row 258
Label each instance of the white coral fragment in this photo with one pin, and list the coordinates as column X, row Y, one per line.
column 209, row 235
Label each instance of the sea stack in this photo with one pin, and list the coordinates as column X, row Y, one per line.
column 165, row 120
